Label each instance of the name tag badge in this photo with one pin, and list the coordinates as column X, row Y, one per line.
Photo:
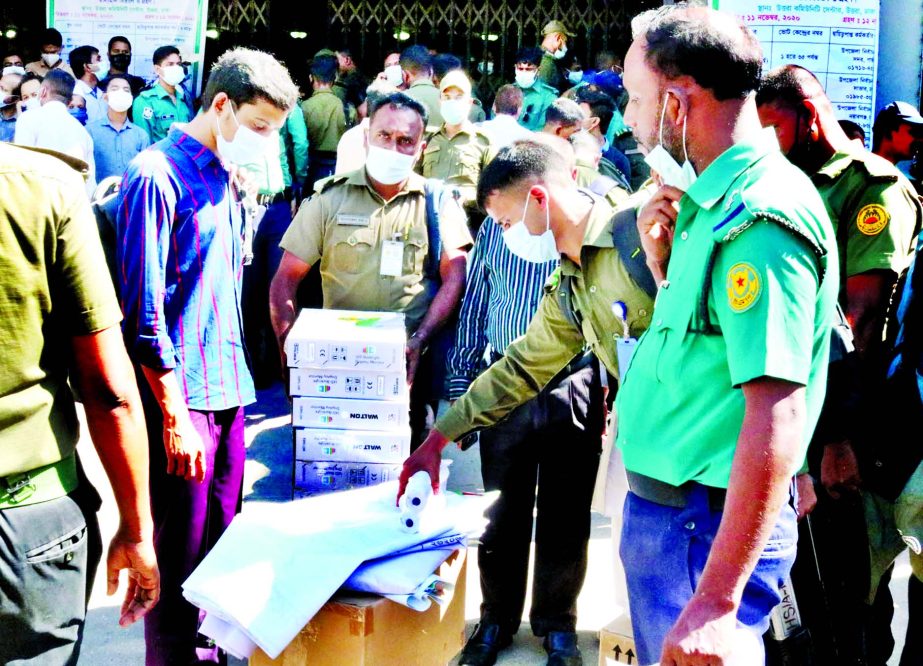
column 352, row 220
column 625, row 349
column 392, row 258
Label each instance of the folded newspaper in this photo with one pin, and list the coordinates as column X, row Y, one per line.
column 278, row 564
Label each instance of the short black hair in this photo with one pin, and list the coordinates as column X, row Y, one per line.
column 51, row 36
column 324, row 68
column 118, row 38
column 601, row 105
column 245, row 75
column 508, row 100
column 164, row 52
column 60, row 84
column 399, row 100
column 443, row 63
column 788, row 86
column 417, row 59
column 529, row 54
column 685, row 41
column 528, row 159
column 853, row 130
column 104, row 84
column 80, row 57
column 564, row 112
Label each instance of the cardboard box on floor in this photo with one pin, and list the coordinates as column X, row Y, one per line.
column 617, row 643
column 374, row 631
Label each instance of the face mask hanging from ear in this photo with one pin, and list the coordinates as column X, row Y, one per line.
column 661, row 161
column 535, row 249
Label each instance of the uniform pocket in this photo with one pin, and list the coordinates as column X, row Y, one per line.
column 352, row 253
column 415, row 250
column 62, row 548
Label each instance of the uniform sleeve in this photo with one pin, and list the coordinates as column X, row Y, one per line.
column 83, row 285
column 764, row 294
column 145, row 224
column 137, row 114
column 305, row 235
column 529, row 364
column 453, row 225
column 880, row 229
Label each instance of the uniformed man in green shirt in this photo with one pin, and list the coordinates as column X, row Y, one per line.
column 725, row 388
column 157, row 108
column 327, row 118
column 554, row 47
column 368, row 231
column 417, row 70
column 877, row 216
column 458, row 151
column 537, row 95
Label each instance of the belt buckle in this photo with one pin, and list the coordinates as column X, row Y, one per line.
column 20, row 490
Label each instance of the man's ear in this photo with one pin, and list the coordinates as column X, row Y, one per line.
column 809, row 108
column 592, row 123
column 540, row 194
column 219, row 102
column 677, row 103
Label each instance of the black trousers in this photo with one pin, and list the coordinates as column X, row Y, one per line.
column 552, row 442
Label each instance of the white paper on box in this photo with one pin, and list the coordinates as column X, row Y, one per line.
column 352, row 445
column 327, row 476
column 355, row 384
column 344, row 414
column 347, row 340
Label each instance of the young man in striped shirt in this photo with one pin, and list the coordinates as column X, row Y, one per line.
column 180, row 259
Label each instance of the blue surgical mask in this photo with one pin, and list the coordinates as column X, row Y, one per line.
column 575, row 76
column 79, row 113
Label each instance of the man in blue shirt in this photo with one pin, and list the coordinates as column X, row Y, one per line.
column 180, row 260
column 501, row 297
column 116, row 140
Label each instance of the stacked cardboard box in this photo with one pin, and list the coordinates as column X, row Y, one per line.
column 350, row 401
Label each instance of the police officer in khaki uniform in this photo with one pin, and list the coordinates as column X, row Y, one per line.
column 876, row 215
column 370, row 233
column 458, row 151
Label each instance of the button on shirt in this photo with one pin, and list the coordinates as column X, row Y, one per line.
column 551, row 340
column 51, row 126
column 770, row 301
column 180, row 264
column 501, row 297
column 114, row 147
column 345, row 225
column 154, row 111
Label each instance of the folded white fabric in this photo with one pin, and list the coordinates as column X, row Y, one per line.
column 277, row 564
column 398, row 574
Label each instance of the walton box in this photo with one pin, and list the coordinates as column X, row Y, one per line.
column 347, row 340
column 352, row 445
column 325, row 477
column 363, row 385
column 343, row 414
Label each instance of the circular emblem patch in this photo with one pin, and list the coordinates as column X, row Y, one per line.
column 148, row 112
column 743, row 287
column 872, row 219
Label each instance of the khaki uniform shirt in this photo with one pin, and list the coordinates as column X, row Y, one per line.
column 458, row 160
column 426, row 93
column 551, row 340
column 345, row 226
column 588, row 177
column 39, row 67
column 326, row 120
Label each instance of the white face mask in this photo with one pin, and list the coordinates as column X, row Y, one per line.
column 525, row 79
column 394, row 75
column 173, row 75
column 14, row 69
column 119, row 100
column 537, row 249
column 388, row 167
column 560, row 53
column 33, row 103
column 661, row 161
column 244, row 148
column 454, row 111
column 575, row 76
column 99, row 69
column 51, row 59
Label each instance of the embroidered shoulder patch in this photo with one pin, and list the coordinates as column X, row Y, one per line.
column 744, row 287
column 872, row 219
column 148, row 112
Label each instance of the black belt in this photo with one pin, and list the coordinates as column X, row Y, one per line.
column 660, row 492
column 278, row 197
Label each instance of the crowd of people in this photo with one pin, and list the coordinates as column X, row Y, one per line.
column 714, row 226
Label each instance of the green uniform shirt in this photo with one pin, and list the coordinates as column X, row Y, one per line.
column 770, row 305
column 54, row 285
column 155, row 111
column 552, row 341
column 325, row 119
column 549, row 73
column 457, row 160
column 345, row 226
column 535, row 102
column 874, row 210
column 426, row 93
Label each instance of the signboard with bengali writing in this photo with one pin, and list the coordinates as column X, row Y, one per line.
column 835, row 39
column 148, row 24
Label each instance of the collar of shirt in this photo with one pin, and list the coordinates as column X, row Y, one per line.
column 414, row 183
column 423, row 82
column 598, row 232
column 835, row 166
column 467, row 127
column 321, row 91
column 162, row 92
column 83, row 89
column 201, row 155
column 127, row 125
column 713, row 183
column 55, row 107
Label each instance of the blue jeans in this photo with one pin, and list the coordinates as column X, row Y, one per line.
column 664, row 550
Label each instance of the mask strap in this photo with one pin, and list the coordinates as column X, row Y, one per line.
column 686, row 154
